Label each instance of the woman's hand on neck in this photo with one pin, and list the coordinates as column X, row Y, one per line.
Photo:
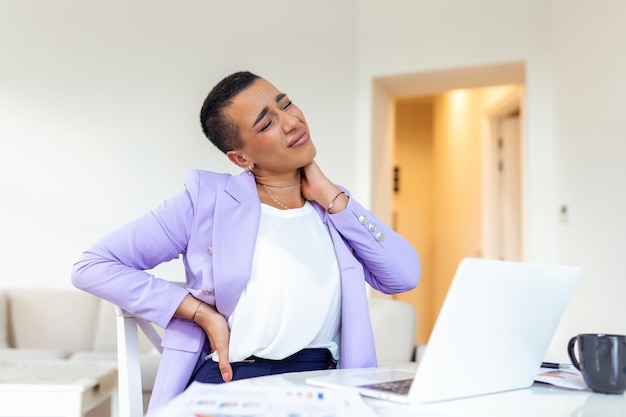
column 317, row 187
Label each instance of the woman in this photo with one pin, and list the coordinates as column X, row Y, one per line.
column 276, row 258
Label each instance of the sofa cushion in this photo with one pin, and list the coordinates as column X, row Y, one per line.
column 105, row 333
column 51, row 319
column 32, row 354
column 4, row 321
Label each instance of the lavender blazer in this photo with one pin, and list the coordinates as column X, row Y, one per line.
column 213, row 223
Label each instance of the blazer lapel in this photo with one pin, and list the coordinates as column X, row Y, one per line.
column 237, row 215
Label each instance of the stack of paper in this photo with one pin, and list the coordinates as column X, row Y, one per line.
column 230, row 400
column 566, row 376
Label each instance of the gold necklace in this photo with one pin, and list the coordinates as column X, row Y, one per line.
column 291, row 187
column 276, row 201
column 268, row 187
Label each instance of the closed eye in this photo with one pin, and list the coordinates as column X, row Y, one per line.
column 266, row 126
column 270, row 121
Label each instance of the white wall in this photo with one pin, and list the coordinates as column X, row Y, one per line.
column 98, row 108
column 575, row 58
column 589, row 44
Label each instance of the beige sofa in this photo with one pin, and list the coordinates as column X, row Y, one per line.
column 65, row 324
column 72, row 325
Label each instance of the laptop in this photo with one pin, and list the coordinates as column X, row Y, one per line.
column 491, row 335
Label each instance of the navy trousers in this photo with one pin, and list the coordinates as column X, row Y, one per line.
column 304, row 360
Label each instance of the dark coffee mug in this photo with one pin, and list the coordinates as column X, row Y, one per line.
column 602, row 361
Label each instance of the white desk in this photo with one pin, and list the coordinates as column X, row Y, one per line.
column 54, row 388
column 538, row 401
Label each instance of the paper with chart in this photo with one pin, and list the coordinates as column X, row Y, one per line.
column 565, row 377
column 233, row 400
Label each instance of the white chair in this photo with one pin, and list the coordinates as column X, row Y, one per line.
column 130, row 397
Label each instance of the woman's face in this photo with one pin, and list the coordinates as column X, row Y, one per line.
column 273, row 129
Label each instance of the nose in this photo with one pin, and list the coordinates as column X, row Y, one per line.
column 289, row 122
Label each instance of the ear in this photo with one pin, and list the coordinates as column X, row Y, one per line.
column 238, row 159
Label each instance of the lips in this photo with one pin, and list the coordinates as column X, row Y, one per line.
column 299, row 139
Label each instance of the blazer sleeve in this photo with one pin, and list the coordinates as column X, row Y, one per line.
column 114, row 268
column 390, row 262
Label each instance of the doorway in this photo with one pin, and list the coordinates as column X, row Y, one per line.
column 445, row 200
column 502, row 177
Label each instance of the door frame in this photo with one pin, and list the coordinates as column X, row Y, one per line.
column 509, row 104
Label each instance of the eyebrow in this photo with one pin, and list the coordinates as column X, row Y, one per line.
column 266, row 109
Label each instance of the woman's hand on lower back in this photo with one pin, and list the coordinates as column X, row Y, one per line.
column 216, row 329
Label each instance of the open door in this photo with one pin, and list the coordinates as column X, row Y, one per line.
column 502, row 215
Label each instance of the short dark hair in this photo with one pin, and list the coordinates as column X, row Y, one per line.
column 217, row 127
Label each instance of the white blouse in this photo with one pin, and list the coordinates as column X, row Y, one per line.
column 293, row 298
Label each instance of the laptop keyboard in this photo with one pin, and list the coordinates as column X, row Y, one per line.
column 397, row 387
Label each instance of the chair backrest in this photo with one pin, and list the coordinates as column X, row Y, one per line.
column 130, row 397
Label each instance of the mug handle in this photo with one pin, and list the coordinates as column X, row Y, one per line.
column 572, row 353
